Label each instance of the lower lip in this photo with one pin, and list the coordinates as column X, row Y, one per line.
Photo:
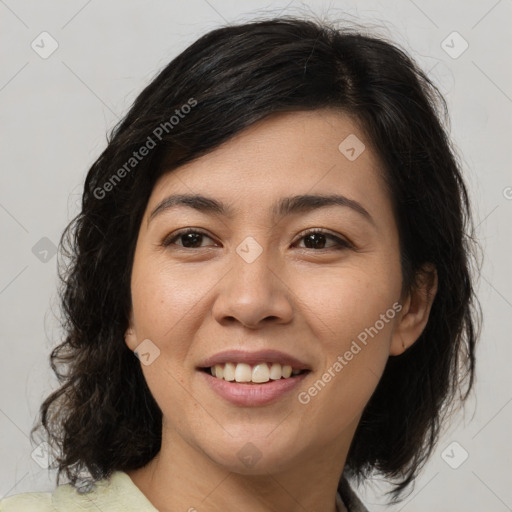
column 247, row 394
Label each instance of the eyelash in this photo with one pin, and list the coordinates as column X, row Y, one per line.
column 340, row 243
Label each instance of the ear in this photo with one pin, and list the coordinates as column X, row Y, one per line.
column 130, row 337
column 415, row 311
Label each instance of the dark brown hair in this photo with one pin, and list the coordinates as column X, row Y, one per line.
column 103, row 417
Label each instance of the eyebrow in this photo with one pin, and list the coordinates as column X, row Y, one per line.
column 285, row 206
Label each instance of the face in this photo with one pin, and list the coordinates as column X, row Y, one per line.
column 255, row 277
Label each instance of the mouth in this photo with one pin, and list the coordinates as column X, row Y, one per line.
column 260, row 373
column 245, row 385
column 261, row 367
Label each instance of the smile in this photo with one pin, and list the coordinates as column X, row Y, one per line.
column 252, row 394
column 255, row 374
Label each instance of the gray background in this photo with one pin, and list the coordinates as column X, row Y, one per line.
column 55, row 114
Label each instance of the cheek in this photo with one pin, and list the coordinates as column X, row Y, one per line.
column 354, row 314
column 170, row 391
column 355, row 352
column 342, row 304
column 164, row 297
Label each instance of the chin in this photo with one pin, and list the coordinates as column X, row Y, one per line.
column 253, row 454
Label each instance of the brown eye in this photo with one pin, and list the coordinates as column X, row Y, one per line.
column 190, row 238
column 316, row 239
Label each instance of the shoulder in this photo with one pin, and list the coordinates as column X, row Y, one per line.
column 27, row 502
column 117, row 493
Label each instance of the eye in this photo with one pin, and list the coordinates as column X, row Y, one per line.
column 189, row 236
column 315, row 239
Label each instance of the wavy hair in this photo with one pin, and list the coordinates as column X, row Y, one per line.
column 103, row 417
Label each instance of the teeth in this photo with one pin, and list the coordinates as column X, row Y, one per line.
column 259, row 373
column 243, row 373
column 229, row 371
column 275, row 371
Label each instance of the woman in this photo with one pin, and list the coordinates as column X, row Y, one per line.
column 280, row 233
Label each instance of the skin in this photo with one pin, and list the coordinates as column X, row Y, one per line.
column 193, row 302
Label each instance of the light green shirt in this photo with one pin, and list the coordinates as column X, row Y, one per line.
column 116, row 494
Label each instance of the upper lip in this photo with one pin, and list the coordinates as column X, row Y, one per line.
column 252, row 358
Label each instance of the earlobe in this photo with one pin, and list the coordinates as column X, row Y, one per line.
column 130, row 339
column 129, row 336
column 416, row 311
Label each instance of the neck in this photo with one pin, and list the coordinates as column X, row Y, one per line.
column 181, row 478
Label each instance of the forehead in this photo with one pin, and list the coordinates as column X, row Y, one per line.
column 320, row 151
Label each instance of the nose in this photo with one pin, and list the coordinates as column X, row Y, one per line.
column 253, row 293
